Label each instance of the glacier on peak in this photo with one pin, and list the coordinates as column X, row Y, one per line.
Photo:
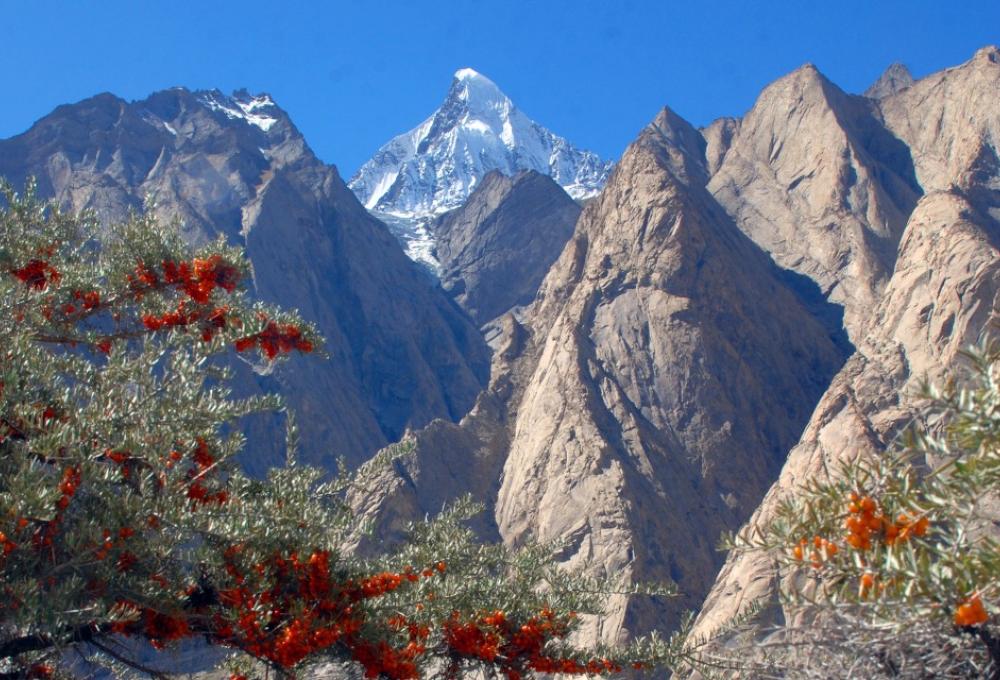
column 435, row 166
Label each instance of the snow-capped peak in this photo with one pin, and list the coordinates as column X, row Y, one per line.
column 476, row 89
column 468, row 74
column 435, row 166
column 255, row 110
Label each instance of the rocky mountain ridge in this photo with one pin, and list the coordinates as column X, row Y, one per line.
column 943, row 294
column 740, row 307
column 400, row 352
column 633, row 410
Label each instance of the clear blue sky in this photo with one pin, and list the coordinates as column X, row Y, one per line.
column 353, row 74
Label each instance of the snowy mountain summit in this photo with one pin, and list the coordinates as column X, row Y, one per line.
column 434, row 167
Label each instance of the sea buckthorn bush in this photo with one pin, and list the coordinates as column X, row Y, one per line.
column 892, row 564
column 127, row 527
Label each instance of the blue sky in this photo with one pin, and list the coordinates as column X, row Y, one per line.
column 353, row 74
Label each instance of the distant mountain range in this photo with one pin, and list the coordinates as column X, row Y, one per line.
column 738, row 309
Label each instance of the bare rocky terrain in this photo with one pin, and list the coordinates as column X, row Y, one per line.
column 741, row 307
column 496, row 249
column 941, row 297
column 400, row 352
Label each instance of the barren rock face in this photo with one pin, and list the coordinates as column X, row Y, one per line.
column 951, row 123
column 661, row 342
column 813, row 178
column 400, row 353
column 667, row 365
column 496, row 249
column 943, row 294
column 674, row 331
column 894, row 79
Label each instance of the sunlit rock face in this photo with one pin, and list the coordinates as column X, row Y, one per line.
column 771, row 284
column 942, row 295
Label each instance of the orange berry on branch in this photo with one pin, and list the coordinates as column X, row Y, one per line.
column 971, row 612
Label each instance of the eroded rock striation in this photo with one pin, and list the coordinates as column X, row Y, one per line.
column 813, row 177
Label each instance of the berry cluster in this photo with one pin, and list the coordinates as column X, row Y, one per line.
column 210, row 321
column 261, row 613
column 197, row 278
column 515, row 649
column 37, row 274
column 72, row 477
column 822, row 550
column 866, row 520
column 865, row 584
column 971, row 612
column 7, row 546
column 88, row 300
column 274, row 339
column 197, row 490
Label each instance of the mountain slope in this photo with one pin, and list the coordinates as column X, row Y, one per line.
column 944, row 294
column 813, row 177
column 648, row 397
column 401, row 353
column 643, row 432
column 495, row 249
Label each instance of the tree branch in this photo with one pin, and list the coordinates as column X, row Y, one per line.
column 34, row 643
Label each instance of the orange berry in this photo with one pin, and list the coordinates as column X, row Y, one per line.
column 971, row 612
column 865, row 584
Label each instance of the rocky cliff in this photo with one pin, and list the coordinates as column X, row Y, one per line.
column 694, row 330
column 942, row 296
column 648, row 397
column 495, row 249
column 401, row 353
column 813, row 177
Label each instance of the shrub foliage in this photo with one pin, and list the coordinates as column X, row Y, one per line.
column 126, row 525
column 892, row 563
